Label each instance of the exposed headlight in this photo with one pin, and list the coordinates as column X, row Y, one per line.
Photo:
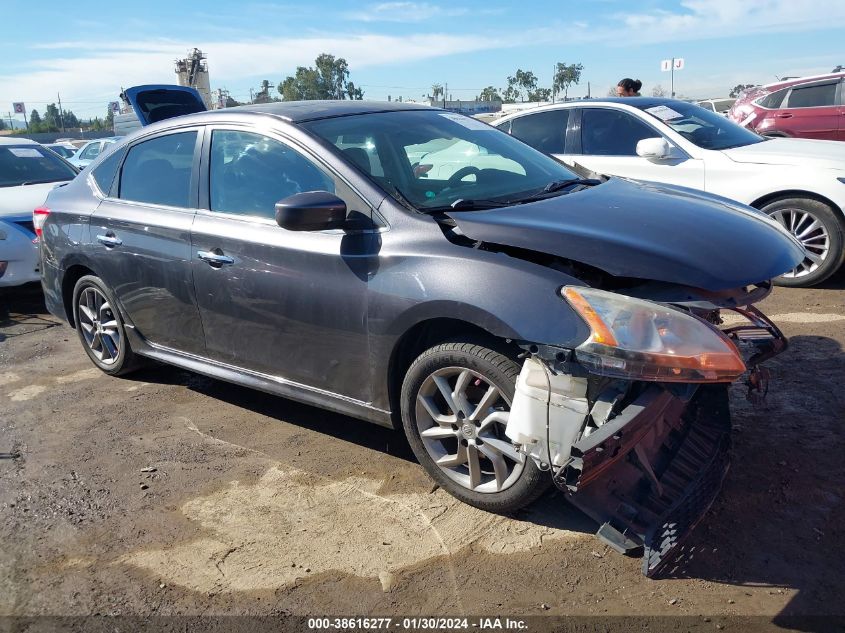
column 642, row 340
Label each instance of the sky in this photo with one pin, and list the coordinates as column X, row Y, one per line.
column 87, row 51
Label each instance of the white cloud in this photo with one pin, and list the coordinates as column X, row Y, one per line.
column 404, row 12
column 707, row 19
column 84, row 73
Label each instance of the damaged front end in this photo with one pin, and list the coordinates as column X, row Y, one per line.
column 634, row 423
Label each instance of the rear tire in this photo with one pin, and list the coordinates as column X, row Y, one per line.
column 819, row 229
column 100, row 327
column 477, row 462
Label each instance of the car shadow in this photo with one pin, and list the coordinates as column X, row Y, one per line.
column 778, row 522
column 551, row 510
column 22, row 311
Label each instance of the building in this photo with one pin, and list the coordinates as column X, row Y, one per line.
column 193, row 72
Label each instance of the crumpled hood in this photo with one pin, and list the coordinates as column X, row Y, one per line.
column 15, row 201
column 645, row 230
column 802, row 152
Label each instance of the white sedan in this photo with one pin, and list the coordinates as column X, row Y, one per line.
column 799, row 182
column 28, row 171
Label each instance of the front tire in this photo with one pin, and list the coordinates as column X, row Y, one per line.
column 455, row 402
column 819, row 229
column 100, row 327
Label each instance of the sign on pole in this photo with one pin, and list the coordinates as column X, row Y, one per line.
column 19, row 107
column 114, row 106
column 671, row 65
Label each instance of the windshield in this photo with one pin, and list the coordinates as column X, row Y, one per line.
column 433, row 159
column 703, row 127
column 31, row 164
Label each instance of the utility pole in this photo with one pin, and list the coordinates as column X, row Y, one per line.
column 251, row 95
column 445, row 92
column 61, row 113
column 9, row 114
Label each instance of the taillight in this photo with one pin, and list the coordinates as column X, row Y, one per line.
column 39, row 215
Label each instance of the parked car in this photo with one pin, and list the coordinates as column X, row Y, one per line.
column 65, row 150
column 719, row 106
column 800, row 183
column 807, row 107
column 28, row 172
column 521, row 324
column 91, row 150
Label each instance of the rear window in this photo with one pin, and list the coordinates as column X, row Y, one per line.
column 812, row 96
column 545, row 131
column 159, row 105
column 30, row 165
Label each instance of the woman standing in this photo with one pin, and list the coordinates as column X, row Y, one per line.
column 628, row 87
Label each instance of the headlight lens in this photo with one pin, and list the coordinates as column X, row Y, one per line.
column 641, row 340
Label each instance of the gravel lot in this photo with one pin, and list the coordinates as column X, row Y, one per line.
column 169, row 493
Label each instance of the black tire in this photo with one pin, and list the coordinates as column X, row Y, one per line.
column 125, row 360
column 501, row 372
column 830, row 222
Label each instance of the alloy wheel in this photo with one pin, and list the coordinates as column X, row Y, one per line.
column 812, row 234
column 99, row 326
column 461, row 418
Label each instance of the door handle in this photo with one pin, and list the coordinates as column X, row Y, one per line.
column 215, row 259
column 109, row 240
column 784, row 115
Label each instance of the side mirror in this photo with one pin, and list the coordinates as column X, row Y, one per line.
column 311, row 211
column 654, row 148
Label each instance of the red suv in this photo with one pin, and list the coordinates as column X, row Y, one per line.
column 809, row 107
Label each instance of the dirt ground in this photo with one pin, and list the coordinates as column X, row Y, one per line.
column 167, row 493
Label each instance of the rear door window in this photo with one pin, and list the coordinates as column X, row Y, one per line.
column 249, row 173
column 812, row 96
column 545, row 131
column 158, row 171
column 105, row 172
column 772, row 101
column 606, row 132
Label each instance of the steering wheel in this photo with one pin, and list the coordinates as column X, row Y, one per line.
column 463, row 172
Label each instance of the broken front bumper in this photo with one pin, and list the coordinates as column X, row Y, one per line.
column 649, row 475
column 646, row 468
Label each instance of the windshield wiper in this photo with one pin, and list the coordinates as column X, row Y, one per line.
column 560, row 185
column 468, row 204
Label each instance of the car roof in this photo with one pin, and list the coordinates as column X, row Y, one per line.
column 777, row 85
column 16, row 141
column 639, row 103
column 300, row 111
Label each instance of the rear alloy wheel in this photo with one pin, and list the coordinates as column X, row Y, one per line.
column 819, row 230
column 100, row 327
column 456, row 399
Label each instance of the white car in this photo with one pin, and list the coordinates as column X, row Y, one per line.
column 88, row 152
column 799, row 182
column 28, row 171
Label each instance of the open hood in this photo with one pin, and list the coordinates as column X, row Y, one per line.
column 157, row 102
column 791, row 151
column 647, row 231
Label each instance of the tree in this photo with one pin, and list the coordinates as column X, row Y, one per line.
column 436, row 91
column 739, row 88
column 658, row 91
column 109, row 122
column 489, row 94
column 329, row 80
column 526, row 80
column 34, row 120
column 512, row 92
column 540, row 94
column 565, row 76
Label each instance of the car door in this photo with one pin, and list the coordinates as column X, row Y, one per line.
column 288, row 304
column 141, row 237
column 811, row 111
column 545, row 131
column 605, row 141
